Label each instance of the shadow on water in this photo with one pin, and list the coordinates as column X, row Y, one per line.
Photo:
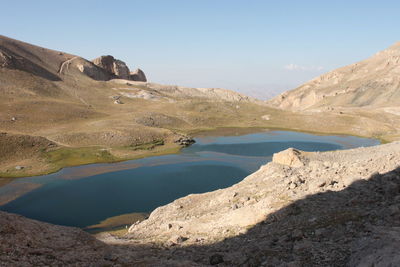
column 323, row 229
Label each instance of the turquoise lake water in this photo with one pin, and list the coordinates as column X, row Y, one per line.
column 76, row 197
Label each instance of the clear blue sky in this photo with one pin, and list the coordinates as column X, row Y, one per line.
column 251, row 46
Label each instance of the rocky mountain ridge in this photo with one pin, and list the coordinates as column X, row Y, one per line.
column 54, row 65
column 373, row 83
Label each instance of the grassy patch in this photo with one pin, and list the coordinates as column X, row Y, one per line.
column 117, row 225
column 65, row 156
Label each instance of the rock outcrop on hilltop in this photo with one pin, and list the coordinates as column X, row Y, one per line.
column 118, row 69
column 374, row 82
column 114, row 67
column 137, row 75
column 56, row 65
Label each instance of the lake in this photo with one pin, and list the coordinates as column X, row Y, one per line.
column 85, row 195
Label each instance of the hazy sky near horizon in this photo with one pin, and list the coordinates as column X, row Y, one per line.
column 255, row 47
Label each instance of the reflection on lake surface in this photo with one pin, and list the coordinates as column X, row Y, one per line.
column 85, row 195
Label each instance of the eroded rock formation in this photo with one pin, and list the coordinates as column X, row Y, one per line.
column 118, row 69
column 138, row 75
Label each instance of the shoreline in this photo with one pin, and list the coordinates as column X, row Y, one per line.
column 120, row 230
column 119, row 222
column 176, row 149
column 319, row 133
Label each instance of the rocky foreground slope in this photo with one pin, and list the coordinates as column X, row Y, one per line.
column 338, row 208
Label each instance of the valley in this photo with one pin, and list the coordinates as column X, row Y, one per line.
column 82, row 120
column 72, row 131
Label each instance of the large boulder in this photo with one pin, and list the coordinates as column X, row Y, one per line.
column 138, row 75
column 290, row 157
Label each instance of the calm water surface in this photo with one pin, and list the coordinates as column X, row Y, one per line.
column 85, row 195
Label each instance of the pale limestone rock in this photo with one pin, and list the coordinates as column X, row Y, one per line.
column 118, row 69
column 113, row 66
column 290, row 157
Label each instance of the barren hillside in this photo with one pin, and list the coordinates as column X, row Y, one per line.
column 99, row 112
column 372, row 83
